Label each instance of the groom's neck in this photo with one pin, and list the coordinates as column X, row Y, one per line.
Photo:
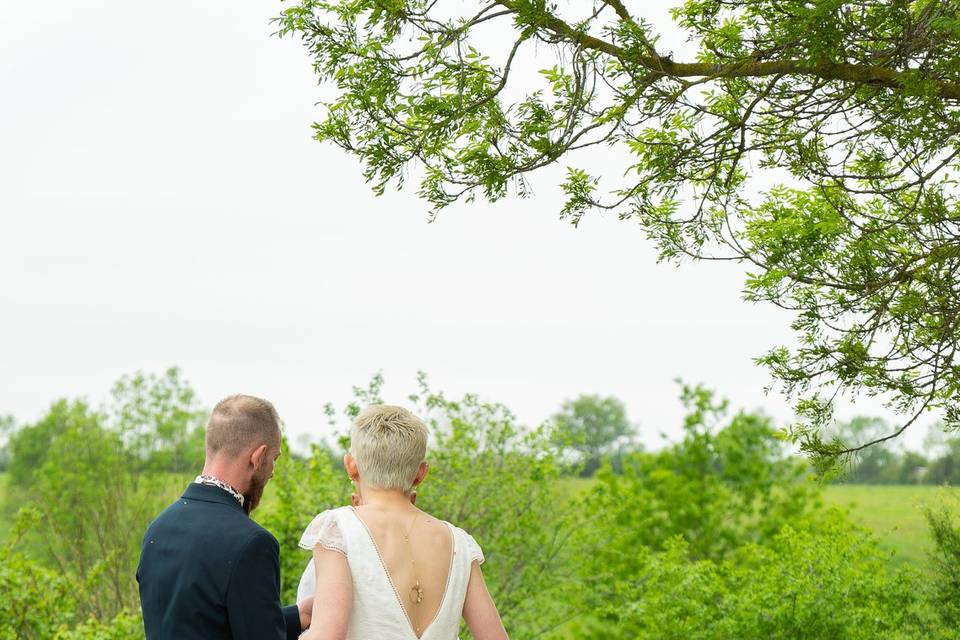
column 228, row 471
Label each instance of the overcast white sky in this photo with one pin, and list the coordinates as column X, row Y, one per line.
column 162, row 203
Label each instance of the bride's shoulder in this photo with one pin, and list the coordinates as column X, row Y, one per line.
column 468, row 543
column 328, row 515
column 324, row 530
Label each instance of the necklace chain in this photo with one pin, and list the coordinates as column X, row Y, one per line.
column 416, row 591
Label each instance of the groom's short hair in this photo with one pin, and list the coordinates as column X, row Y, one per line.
column 388, row 443
column 239, row 422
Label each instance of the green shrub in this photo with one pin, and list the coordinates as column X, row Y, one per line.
column 160, row 421
column 35, row 598
column 95, row 510
column 828, row 584
column 125, row 626
column 945, row 529
column 726, row 484
column 30, row 445
column 40, row 603
column 98, row 477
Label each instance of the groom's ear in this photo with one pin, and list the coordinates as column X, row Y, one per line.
column 258, row 456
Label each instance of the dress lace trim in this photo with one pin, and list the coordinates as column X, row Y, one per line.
column 323, row 531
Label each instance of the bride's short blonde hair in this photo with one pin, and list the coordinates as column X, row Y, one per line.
column 388, row 444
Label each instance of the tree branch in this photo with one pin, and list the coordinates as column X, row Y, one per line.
column 855, row 73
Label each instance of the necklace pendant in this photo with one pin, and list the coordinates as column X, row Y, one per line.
column 416, row 593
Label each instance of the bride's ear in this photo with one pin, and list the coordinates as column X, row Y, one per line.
column 351, row 466
column 421, row 473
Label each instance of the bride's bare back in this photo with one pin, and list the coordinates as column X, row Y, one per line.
column 367, row 579
column 418, row 566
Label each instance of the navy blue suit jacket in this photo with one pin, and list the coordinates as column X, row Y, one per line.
column 209, row 572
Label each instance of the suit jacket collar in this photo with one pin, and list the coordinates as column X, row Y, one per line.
column 209, row 493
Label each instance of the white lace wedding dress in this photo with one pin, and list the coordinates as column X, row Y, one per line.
column 377, row 612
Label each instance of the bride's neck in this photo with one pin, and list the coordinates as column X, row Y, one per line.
column 385, row 499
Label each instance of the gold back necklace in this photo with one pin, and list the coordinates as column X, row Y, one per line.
column 416, row 591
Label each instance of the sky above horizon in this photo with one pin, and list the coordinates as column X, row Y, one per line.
column 163, row 204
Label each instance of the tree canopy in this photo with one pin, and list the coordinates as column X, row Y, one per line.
column 593, row 426
column 816, row 143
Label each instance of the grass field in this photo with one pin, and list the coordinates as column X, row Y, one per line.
column 894, row 513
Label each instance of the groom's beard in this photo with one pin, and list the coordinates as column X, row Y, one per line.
column 251, row 499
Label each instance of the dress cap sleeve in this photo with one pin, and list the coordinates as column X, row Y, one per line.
column 474, row 552
column 323, row 531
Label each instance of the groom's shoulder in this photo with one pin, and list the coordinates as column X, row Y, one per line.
column 211, row 537
column 225, row 526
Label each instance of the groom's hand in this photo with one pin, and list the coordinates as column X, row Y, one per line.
column 306, row 610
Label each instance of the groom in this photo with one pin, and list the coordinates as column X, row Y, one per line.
column 207, row 571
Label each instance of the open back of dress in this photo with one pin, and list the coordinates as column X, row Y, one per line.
column 378, row 609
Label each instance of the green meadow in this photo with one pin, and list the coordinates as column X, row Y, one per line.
column 894, row 513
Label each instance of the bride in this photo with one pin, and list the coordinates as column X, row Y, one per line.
column 384, row 569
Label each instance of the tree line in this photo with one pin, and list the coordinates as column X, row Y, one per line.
column 596, row 430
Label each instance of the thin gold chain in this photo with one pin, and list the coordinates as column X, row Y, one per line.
column 416, row 591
